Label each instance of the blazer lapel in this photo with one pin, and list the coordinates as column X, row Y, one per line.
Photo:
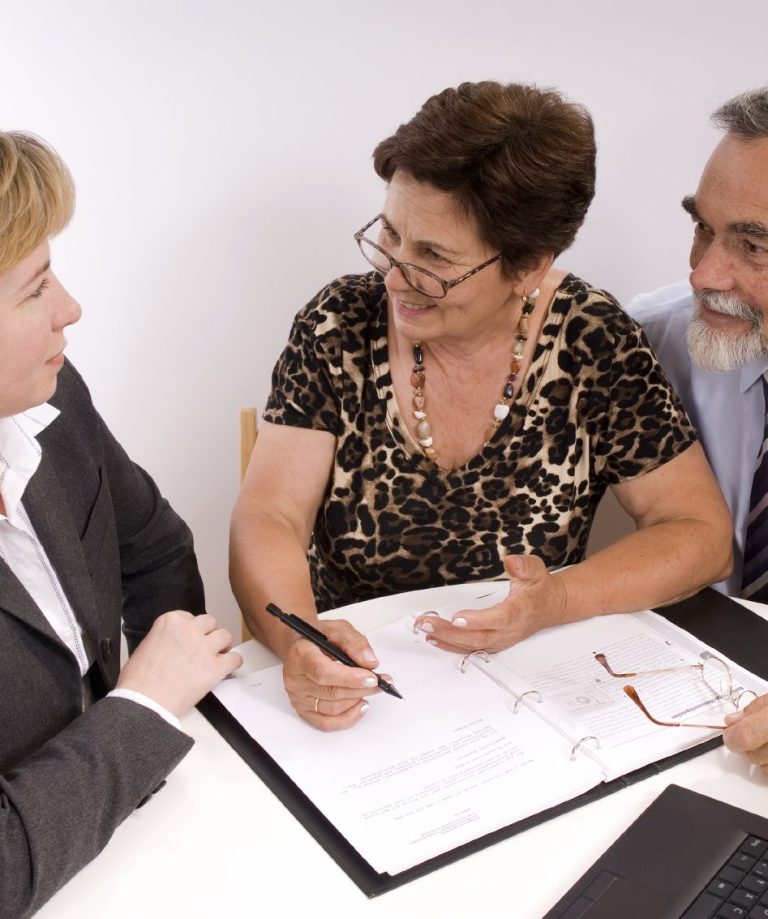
column 49, row 512
column 15, row 600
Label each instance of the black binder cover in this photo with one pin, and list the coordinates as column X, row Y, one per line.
column 711, row 617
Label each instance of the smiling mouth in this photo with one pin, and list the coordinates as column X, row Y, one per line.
column 726, row 308
column 721, row 318
column 706, row 308
column 416, row 307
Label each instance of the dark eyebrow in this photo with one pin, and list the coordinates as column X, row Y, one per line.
column 689, row 206
column 744, row 227
column 424, row 243
column 758, row 230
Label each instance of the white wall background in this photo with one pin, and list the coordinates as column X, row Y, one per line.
column 221, row 150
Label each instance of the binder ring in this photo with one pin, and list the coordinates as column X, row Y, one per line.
column 463, row 664
column 583, row 741
column 519, row 699
column 427, row 612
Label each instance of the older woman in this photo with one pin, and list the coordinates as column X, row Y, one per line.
column 459, row 412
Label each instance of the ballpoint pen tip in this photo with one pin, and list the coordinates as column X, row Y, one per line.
column 390, row 688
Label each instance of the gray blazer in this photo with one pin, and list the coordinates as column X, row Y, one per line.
column 67, row 779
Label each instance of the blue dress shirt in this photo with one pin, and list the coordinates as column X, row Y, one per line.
column 727, row 409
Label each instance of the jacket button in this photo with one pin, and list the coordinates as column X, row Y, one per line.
column 148, row 797
column 106, row 649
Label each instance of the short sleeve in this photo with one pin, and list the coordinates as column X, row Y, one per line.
column 304, row 392
column 645, row 424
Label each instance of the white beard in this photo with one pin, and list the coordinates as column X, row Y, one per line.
column 719, row 350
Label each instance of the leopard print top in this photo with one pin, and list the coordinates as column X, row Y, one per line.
column 594, row 409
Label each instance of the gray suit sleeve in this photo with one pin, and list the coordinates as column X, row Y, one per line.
column 158, row 566
column 60, row 806
column 157, row 558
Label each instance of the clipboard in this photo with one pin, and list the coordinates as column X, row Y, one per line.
column 709, row 616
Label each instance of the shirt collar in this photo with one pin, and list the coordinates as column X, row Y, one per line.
column 20, row 453
column 751, row 372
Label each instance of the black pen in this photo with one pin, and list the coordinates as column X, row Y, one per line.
column 319, row 640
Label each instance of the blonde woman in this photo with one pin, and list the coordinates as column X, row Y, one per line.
column 86, row 541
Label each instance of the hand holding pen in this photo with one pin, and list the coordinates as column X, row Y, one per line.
column 329, row 696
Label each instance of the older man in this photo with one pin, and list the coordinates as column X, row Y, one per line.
column 710, row 335
column 711, row 338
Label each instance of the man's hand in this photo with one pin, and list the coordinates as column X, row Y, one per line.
column 748, row 733
column 180, row 660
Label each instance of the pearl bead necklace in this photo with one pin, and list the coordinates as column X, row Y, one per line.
column 500, row 410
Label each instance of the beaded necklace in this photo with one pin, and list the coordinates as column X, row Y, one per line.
column 500, row 410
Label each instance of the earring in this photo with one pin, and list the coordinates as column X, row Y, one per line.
column 521, row 336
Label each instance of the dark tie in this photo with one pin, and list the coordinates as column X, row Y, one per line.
column 754, row 582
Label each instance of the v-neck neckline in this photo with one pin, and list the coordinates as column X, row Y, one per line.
column 510, row 427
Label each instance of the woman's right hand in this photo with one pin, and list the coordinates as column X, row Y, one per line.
column 272, row 523
column 326, row 693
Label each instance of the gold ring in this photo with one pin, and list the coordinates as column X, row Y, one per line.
column 317, row 702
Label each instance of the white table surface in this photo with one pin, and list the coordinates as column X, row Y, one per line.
column 216, row 841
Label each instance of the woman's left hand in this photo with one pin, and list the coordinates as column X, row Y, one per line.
column 536, row 600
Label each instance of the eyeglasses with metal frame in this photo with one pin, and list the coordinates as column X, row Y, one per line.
column 431, row 286
column 714, row 672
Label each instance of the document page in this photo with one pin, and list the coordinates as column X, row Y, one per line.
column 419, row 776
column 561, row 665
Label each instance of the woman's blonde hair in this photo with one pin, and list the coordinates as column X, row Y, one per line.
column 37, row 195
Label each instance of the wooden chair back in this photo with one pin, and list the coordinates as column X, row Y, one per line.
column 249, row 429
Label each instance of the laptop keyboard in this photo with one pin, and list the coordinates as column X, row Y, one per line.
column 740, row 887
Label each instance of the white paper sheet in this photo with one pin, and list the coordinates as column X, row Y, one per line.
column 419, row 776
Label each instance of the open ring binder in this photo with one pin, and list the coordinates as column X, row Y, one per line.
column 702, row 616
column 481, row 654
column 584, row 740
column 427, row 612
column 519, row 699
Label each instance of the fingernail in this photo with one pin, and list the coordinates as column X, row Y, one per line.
column 460, row 622
column 733, row 717
column 426, row 627
column 369, row 657
column 431, row 641
column 364, row 708
column 370, row 681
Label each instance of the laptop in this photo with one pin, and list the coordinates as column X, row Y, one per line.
column 687, row 855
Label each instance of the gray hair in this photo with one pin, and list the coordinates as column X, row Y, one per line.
column 746, row 115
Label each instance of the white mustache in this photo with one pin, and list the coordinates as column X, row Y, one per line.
column 729, row 305
column 723, row 350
